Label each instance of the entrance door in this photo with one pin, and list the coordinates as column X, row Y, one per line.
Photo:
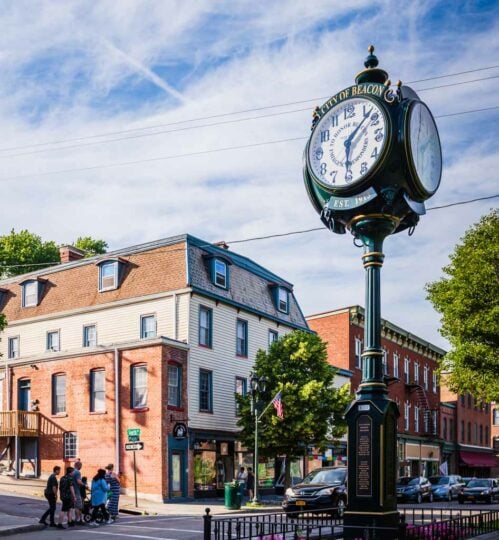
column 24, row 395
column 176, row 480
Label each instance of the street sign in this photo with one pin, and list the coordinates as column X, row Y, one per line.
column 133, row 434
column 134, row 446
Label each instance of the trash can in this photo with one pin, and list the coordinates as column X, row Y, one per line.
column 232, row 499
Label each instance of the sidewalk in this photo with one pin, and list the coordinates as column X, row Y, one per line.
column 34, row 487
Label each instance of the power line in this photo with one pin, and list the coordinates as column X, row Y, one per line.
column 190, row 154
column 257, row 238
column 221, row 115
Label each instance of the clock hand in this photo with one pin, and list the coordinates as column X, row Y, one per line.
column 352, row 135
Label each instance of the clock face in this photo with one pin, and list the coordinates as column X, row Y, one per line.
column 424, row 144
column 347, row 143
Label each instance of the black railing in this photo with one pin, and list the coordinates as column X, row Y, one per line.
column 415, row 524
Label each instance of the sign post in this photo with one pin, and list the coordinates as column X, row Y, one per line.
column 134, row 444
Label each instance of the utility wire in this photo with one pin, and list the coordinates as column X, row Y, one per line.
column 254, row 238
column 190, row 154
column 221, row 115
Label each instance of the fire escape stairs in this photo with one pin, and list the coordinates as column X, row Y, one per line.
column 423, row 404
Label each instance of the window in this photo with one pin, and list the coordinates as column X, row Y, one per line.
column 13, row 347
column 416, row 419
column 70, row 440
column 416, row 372
column 59, row 393
column 495, row 417
column 273, row 337
column 427, row 419
column 407, row 366
column 469, row 432
column 282, row 300
column 425, row 377
column 30, row 294
column 434, row 382
column 53, row 342
column 396, row 365
column 241, row 337
column 205, row 391
column 434, row 415
column 90, row 336
column 462, row 400
column 97, row 390
column 139, row 386
column 241, row 389
column 205, row 326
column 462, row 430
column 384, row 360
column 358, row 353
column 445, row 429
column 481, row 435
column 174, row 385
column 475, row 433
column 407, row 415
column 147, row 326
column 221, row 274
column 487, row 440
column 108, row 275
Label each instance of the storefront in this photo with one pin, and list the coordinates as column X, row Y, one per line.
column 476, row 463
column 419, row 458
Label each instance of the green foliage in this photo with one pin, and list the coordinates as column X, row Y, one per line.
column 468, row 300
column 313, row 409
column 24, row 248
column 91, row 246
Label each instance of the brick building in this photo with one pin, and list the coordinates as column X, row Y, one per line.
column 410, row 365
column 155, row 336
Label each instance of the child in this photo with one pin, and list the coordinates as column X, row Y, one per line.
column 83, row 488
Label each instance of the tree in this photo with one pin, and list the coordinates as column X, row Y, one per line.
column 91, row 246
column 296, row 365
column 468, row 300
column 23, row 252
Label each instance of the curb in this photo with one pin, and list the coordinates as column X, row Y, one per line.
column 136, row 512
column 22, row 529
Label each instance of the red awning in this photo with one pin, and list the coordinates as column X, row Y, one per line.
column 477, row 459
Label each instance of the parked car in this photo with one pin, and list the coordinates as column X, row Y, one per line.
column 480, row 489
column 467, row 479
column 321, row 489
column 446, row 487
column 414, row 488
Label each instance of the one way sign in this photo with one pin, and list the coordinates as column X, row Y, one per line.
column 134, row 446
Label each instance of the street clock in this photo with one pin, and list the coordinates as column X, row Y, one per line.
column 372, row 150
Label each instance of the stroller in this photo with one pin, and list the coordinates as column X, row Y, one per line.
column 87, row 511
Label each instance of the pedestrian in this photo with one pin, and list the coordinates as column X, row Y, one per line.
column 78, row 506
column 114, row 482
column 51, row 496
column 67, row 494
column 242, row 475
column 250, row 483
column 99, row 497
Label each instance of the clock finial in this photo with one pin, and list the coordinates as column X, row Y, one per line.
column 371, row 61
column 372, row 73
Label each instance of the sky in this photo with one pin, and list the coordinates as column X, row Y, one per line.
column 132, row 121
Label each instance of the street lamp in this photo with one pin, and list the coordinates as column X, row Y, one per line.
column 257, row 386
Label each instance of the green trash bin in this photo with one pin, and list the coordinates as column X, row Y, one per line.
column 232, row 499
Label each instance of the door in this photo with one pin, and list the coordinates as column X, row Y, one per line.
column 24, row 395
column 176, row 469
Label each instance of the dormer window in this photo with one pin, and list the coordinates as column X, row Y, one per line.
column 31, row 292
column 281, row 298
column 220, row 273
column 110, row 274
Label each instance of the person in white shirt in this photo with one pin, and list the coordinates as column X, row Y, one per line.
column 242, row 475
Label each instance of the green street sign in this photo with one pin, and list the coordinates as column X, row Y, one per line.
column 133, row 434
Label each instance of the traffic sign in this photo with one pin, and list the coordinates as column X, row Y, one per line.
column 134, row 446
column 133, row 434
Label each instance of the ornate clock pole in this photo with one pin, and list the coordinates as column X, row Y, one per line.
column 372, row 159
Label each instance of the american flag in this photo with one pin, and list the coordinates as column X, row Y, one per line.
column 277, row 403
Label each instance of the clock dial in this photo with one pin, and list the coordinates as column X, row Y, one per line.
column 347, row 142
column 425, row 152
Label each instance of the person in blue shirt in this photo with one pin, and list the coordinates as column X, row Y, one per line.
column 99, row 497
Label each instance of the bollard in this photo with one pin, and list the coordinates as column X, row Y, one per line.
column 207, row 524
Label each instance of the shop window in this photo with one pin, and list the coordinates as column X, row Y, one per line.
column 59, row 393
column 97, row 390
column 70, row 442
column 139, row 386
column 174, row 385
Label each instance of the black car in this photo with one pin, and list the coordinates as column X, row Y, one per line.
column 446, row 487
column 322, row 489
column 480, row 489
column 414, row 488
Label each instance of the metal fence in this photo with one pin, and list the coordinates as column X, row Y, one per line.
column 415, row 524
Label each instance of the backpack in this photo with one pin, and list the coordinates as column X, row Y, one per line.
column 65, row 487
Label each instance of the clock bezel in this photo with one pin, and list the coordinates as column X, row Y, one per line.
column 359, row 184
column 420, row 190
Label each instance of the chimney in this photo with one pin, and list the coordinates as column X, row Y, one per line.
column 222, row 244
column 70, row 253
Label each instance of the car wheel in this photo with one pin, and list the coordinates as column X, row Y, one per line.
column 340, row 508
column 419, row 498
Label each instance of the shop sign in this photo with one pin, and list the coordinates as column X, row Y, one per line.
column 180, row 430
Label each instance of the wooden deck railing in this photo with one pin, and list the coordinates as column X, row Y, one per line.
column 20, row 423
